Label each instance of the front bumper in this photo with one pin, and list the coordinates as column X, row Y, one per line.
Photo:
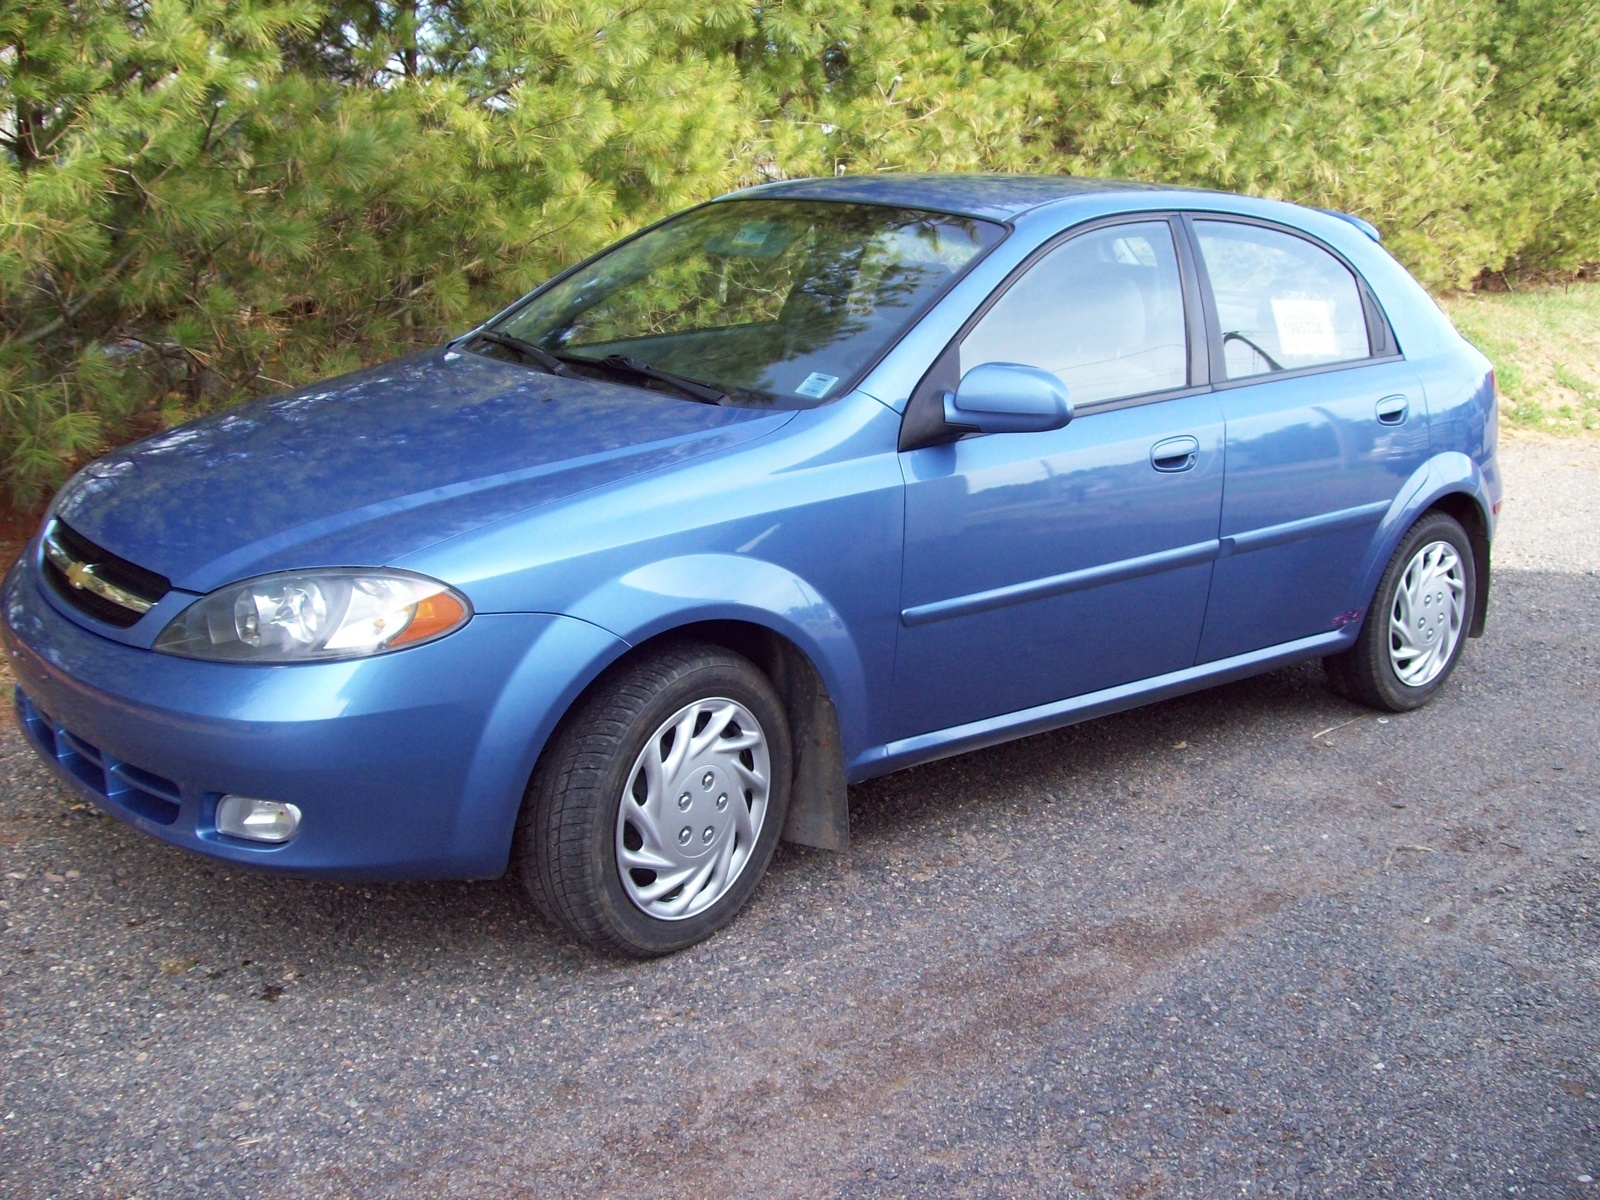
column 406, row 766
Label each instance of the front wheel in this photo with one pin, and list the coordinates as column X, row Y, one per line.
column 655, row 810
column 1416, row 628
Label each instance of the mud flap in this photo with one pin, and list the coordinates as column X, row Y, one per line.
column 819, row 802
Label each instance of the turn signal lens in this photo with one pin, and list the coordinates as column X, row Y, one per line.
column 436, row 615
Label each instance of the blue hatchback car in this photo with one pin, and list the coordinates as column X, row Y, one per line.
column 804, row 485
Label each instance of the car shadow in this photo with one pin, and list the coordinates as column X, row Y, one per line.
column 1062, row 764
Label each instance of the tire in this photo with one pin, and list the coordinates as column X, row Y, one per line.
column 658, row 766
column 1398, row 666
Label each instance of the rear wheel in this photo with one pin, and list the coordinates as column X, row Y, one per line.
column 654, row 812
column 1416, row 628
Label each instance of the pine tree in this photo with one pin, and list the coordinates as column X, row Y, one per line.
column 206, row 200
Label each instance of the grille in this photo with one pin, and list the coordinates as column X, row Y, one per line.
column 97, row 582
column 123, row 784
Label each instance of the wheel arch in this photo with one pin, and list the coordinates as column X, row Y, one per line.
column 819, row 813
column 1451, row 483
column 780, row 622
column 1469, row 514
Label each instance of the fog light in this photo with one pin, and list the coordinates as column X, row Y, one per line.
column 257, row 820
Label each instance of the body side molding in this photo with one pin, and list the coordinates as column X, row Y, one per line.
column 1306, row 527
column 1058, row 585
column 991, row 731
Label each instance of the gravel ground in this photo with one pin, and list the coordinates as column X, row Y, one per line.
column 1551, row 518
column 1257, row 941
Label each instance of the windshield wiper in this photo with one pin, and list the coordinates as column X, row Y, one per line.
column 527, row 351
column 691, row 388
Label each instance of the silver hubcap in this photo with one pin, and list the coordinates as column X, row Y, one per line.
column 693, row 809
column 1425, row 622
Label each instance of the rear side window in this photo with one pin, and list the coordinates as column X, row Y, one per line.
column 1282, row 302
column 1103, row 311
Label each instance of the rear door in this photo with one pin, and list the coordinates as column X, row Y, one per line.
column 1040, row 566
column 1325, row 421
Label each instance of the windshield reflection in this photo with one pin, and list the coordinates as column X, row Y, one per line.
column 775, row 302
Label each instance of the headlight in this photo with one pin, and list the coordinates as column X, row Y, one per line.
column 313, row 616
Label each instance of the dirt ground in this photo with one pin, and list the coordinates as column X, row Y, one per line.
column 1257, row 941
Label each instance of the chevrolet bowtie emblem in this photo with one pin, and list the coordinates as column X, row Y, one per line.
column 83, row 577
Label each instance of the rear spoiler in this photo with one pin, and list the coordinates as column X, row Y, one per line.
column 1366, row 227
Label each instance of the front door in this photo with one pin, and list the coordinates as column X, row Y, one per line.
column 1040, row 566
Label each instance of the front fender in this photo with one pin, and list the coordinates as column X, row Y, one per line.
column 558, row 661
column 661, row 596
column 1448, row 474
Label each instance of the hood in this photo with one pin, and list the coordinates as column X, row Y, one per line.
column 360, row 470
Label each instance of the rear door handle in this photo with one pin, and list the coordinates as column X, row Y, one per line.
column 1175, row 454
column 1392, row 410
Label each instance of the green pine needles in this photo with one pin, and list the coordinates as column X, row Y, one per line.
column 207, row 200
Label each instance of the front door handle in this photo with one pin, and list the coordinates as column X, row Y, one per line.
column 1175, row 454
column 1392, row 410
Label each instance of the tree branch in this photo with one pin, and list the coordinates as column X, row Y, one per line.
column 78, row 305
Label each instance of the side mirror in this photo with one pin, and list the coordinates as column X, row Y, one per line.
column 1004, row 397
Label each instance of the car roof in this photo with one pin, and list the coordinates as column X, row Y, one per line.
column 994, row 197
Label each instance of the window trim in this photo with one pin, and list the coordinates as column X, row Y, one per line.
column 1377, row 321
column 923, row 421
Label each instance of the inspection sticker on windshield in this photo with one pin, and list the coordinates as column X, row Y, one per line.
column 752, row 236
column 816, row 385
column 1305, row 327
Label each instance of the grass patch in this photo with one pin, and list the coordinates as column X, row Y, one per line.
column 1545, row 345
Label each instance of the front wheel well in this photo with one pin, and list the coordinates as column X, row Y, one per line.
column 1467, row 513
column 819, row 813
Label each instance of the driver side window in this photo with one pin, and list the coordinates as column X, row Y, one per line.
column 1103, row 311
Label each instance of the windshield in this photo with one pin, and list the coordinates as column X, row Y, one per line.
column 772, row 302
